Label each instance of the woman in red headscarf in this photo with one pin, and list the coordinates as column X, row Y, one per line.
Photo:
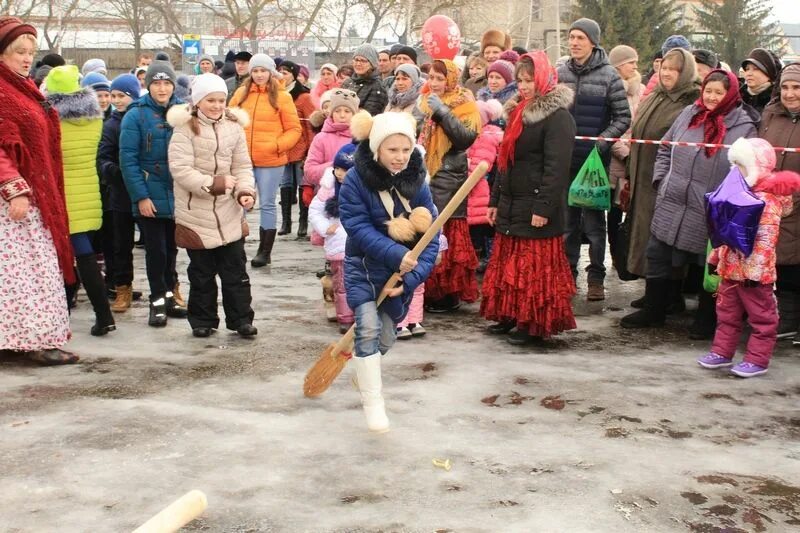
column 452, row 122
column 528, row 284
column 682, row 176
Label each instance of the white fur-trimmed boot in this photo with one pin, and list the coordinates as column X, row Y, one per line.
column 368, row 370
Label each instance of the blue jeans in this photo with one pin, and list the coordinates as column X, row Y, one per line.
column 592, row 222
column 375, row 330
column 267, row 181
column 81, row 244
column 292, row 175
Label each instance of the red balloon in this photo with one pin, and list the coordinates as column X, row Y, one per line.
column 441, row 37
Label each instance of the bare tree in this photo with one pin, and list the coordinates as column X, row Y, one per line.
column 171, row 21
column 138, row 16
column 243, row 15
column 58, row 16
column 379, row 9
column 17, row 8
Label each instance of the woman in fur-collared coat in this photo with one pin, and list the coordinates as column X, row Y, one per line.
column 528, row 284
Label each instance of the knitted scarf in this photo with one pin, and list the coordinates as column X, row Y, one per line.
column 31, row 135
column 545, row 80
column 403, row 100
column 461, row 103
column 714, row 120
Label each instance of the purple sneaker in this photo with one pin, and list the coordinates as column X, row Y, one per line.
column 748, row 370
column 712, row 360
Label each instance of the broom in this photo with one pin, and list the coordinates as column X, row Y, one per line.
column 334, row 358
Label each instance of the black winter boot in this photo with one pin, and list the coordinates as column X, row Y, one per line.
column 95, row 286
column 788, row 313
column 677, row 304
column 302, row 223
column 158, row 312
column 174, row 309
column 286, row 211
column 264, row 255
column 654, row 312
column 705, row 319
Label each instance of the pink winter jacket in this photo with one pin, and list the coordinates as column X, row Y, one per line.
column 760, row 265
column 323, row 149
column 485, row 148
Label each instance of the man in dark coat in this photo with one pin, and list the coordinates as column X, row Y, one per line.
column 601, row 110
column 242, row 63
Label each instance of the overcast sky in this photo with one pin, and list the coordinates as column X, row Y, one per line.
column 786, row 10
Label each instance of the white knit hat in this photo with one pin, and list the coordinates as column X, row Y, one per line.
column 329, row 66
column 205, row 84
column 388, row 124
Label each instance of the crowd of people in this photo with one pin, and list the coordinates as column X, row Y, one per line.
column 371, row 153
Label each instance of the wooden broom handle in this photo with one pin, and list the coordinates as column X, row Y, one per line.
column 480, row 171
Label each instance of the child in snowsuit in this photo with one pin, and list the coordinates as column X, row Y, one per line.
column 213, row 174
column 323, row 214
column 747, row 282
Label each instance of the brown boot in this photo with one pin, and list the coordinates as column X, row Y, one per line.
column 596, row 292
column 123, row 300
column 176, row 293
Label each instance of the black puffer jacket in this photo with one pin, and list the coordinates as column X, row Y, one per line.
column 538, row 179
column 601, row 103
column 370, row 90
column 453, row 172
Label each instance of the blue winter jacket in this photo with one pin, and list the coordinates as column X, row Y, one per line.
column 371, row 256
column 143, row 147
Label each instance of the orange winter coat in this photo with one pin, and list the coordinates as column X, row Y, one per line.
column 305, row 107
column 271, row 132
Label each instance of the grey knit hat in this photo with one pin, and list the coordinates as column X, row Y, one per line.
column 589, row 27
column 159, row 70
column 412, row 71
column 206, row 58
column 263, row 61
column 368, row 52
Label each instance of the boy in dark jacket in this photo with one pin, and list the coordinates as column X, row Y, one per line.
column 143, row 158
column 124, row 91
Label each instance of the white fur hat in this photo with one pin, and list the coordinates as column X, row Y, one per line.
column 205, row 84
column 388, row 124
column 757, row 156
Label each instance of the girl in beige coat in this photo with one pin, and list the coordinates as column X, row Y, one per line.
column 213, row 180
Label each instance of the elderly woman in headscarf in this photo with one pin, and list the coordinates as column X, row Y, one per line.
column 682, row 176
column 37, row 254
column 451, row 125
column 676, row 89
column 528, row 283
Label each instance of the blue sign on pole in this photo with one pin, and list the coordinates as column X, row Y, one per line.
column 191, row 44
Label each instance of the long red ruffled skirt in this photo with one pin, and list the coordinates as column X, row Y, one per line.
column 529, row 281
column 456, row 273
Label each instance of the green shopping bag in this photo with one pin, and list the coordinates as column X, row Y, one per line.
column 710, row 281
column 590, row 188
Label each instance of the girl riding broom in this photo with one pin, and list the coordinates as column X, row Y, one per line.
column 384, row 204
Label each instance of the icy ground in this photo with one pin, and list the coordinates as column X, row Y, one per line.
column 601, row 430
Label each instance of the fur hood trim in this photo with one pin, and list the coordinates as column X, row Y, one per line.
column 181, row 114
column 781, row 183
column 328, row 180
column 376, row 178
column 538, row 109
column 80, row 105
column 633, row 86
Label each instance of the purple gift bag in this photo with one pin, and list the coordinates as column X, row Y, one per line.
column 732, row 213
